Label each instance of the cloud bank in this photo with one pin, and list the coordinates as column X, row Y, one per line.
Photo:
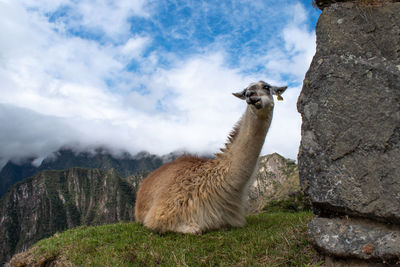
column 139, row 75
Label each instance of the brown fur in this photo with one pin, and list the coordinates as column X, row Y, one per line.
column 193, row 195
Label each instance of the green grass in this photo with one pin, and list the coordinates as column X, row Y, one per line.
column 268, row 239
column 293, row 203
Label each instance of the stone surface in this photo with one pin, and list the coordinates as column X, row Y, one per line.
column 357, row 238
column 321, row 4
column 350, row 105
column 342, row 262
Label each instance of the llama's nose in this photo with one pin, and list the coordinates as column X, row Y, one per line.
column 253, row 100
column 250, row 93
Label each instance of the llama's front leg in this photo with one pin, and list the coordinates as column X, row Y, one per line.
column 191, row 228
column 158, row 221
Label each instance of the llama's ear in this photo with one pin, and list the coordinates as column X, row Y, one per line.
column 241, row 94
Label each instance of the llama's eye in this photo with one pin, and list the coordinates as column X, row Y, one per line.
column 266, row 87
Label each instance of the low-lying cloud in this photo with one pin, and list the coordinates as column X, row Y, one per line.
column 103, row 85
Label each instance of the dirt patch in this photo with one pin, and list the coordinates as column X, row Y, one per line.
column 30, row 258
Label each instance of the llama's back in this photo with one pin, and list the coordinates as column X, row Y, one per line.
column 158, row 184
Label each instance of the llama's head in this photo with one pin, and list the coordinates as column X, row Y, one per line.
column 259, row 95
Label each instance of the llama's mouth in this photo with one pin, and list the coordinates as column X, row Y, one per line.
column 256, row 101
column 258, row 104
column 253, row 100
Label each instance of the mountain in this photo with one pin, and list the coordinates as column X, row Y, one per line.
column 276, row 183
column 53, row 201
column 124, row 164
column 13, row 172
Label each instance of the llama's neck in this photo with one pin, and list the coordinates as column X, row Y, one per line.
column 246, row 142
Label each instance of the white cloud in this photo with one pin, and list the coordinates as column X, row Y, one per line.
column 133, row 48
column 95, row 16
column 60, row 89
column 284, row 134
column 294, row 57
column 29, row 134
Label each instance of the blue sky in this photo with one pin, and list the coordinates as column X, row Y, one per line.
column 146, row 75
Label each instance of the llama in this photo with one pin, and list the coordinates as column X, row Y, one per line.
column 194, row 195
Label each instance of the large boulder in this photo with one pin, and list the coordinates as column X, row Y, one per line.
column 349, row 158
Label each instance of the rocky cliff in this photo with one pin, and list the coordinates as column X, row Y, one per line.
column 124, row 164
column 276, row 180
column 14, row 172
column 350, row 148
column 53, row 201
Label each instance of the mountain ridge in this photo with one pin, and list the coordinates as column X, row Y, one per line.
column 125, row 164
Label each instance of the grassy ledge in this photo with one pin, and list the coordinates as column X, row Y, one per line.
column 268, row 239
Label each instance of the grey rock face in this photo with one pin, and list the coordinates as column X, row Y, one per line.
column 54, row 201
column 349, row 158
column 356, row 238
